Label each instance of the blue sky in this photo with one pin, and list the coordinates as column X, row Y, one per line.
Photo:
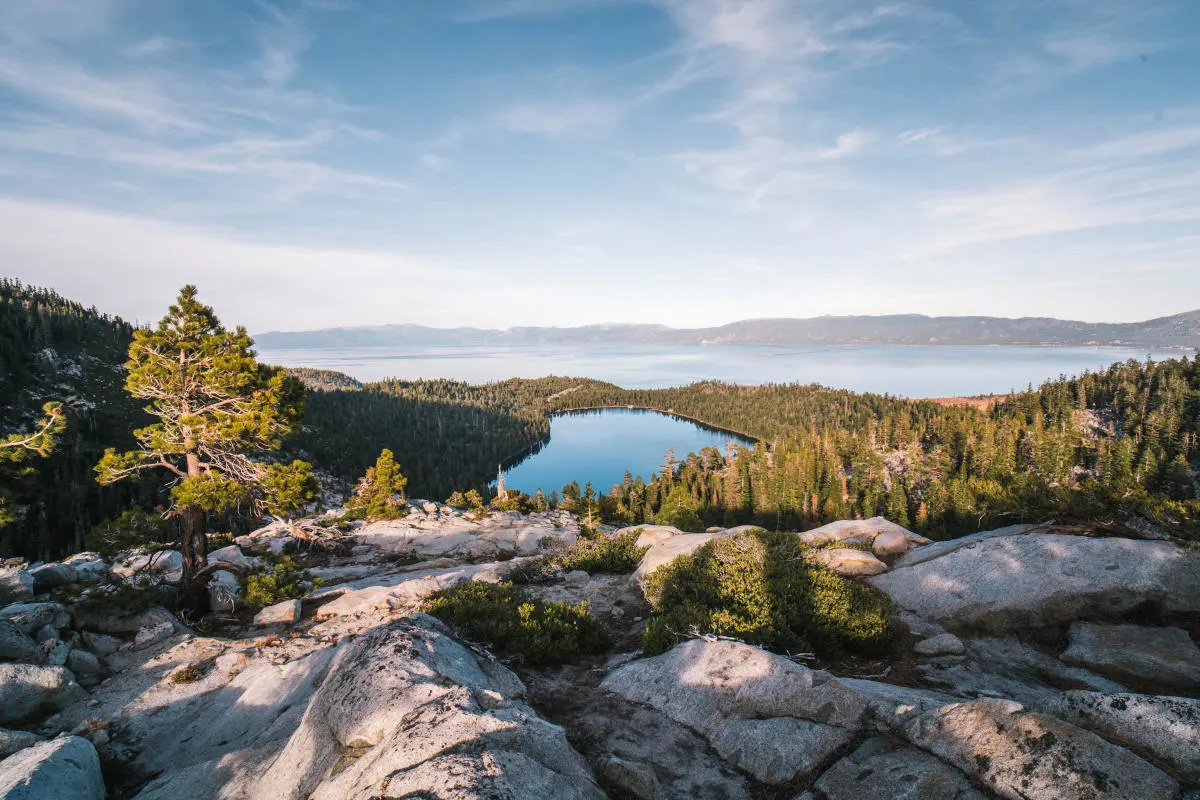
column 555, row 162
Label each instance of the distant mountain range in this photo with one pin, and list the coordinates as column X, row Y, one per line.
column 1178, row 331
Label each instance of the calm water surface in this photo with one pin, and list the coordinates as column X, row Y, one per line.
column 598, row 446
column 910, row 371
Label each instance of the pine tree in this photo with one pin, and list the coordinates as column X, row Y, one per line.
column 380, row 493
column 17, row 449
column 215, row 404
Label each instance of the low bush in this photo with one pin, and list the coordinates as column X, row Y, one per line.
column 615, row 555
column 283, row 581
column 537, row 631
column 759, row 587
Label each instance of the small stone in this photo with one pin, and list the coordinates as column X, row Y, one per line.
column 16, row 584
column 81, row 662
column 14, row 741
column 153, row 635
column 575, row 579
column 946, row 644
column 101, row 644
column 285, row 613
column 15, row 645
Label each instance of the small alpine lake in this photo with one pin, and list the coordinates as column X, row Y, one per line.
column 598, row 446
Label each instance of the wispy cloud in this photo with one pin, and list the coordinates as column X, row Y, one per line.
column 247, row 124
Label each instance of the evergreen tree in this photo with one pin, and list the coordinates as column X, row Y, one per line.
column 380, row 493
column 17, row 449
column 215, row 405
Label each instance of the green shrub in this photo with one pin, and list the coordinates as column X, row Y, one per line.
column 133, row 528
column 616, row 555
column 758, row 587
column 284, row 581
column 538, row 631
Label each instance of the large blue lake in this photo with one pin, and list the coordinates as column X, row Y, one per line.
column 598, row 446
column 912, row 371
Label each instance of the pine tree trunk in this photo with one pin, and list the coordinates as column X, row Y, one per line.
column 195, row 556
column 194, row 545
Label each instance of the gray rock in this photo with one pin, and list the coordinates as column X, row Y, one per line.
column 223, row 590
column 82, row 663
column 16, row 584
column 228, row 555
column 634, row 777
column 45, row 633
column 1143, row 657
column 891, row 543
column 650, row 535
column 13, row 741
column 61, row 769
column 28, row 617
column 669, row 549
column 769, row 716
column 1023, row 755
column 54, row 652
column 89, row 567
column 101, row 644
column 15, row 644
column 576, row 578
column 152, row 635
column 848, row 561
column 866, row 531
column 285, row 613
column 1004, row 667
column 1030, row 580
column 891, row 707
column 947, row 644
column 159, row 561
column 1165, row 730
column 51, row 576
column 430, row 718
column 26, row 688
column 105, row 620
column 883, row 770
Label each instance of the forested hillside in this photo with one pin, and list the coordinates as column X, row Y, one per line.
column 1119, row 442
column 1103, row 446
column 53, row 349
column 1106, row 446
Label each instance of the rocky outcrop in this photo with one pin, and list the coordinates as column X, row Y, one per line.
column 1024, row 755
column 15, row 741
column 1163, row 729
column 403, row 589
column 882, row 769
column 886, row 538
column 669, row 549
column 1161, row 659
column 403, row 711
column 27, row 688
column 1024, row 580
column 30, row 617
column 16, row 584
column 848, row 561
column 15, row 644
column 1004, row 667
column 768, row 716
column 67, row 767
column 496, row 536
